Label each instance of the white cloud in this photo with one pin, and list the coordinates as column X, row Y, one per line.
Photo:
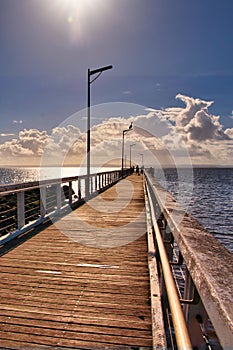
column 6, row 135
column 160, row 132
column 192, row 107
column 33, row 142
column 17, row 121
column 203, row 126
column 195, row 122
column 229, row 132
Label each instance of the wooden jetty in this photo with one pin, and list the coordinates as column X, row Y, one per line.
column 57, row 293
column 107, row 274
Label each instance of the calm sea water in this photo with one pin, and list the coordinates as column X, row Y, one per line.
column 206, row 192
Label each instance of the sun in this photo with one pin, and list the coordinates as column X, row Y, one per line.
column 80, row 17
column 78, row 11
column 77, row 6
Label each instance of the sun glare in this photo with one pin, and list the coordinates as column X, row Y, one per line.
column 80, row 7
column 79, row 15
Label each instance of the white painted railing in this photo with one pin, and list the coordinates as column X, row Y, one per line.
column 26, row 205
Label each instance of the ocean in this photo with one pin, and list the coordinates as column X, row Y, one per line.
column 206, row 192
column 208, row 196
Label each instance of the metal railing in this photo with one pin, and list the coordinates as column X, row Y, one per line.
column 199, row 297
column 26, row 205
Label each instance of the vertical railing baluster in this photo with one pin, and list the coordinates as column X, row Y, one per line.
column 91, row 177
column 79, row 189
column 96, row 183
column 58, row 186
column 42, row 201
column 70, row 192
column 20, row 209
column 192, row 311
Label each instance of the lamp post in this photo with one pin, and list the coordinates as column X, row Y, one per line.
column 123, row 150
column 141, row 154
column 130, row 150
column 89, row 74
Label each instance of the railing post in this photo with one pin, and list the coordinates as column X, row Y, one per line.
column 79, row 189
column 195, row 314
column 87, row 186
column 20, row 209
column 42, row 201
column 59, row 189
column 91, row 178
column 70, row 192
column 96, row 179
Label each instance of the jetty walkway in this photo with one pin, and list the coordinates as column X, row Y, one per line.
column 60, row 293
column 104, row 275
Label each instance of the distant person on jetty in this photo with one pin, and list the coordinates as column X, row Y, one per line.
column 132, row 170
column 137, row 170
column 66, row 192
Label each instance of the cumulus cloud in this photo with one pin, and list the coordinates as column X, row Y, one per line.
column 193, row 105
column 33, row 142
column 164, row 132
column 195, row 122
column 201, row 131
column 229, row 133
column 203, row 126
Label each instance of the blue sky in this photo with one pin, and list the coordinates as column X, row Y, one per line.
column 159, row 48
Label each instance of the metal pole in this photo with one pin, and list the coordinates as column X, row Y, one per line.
column 122, row 156
column 130, row 147
column 141, row 154
column 130, row 156
column 88, row 134
column 89, row 73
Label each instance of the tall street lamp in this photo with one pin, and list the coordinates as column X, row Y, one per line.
column 89, row 74
column 141, row 154
column 130, row 150
column 123, row 148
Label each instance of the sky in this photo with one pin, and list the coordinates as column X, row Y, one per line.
column 172, row 73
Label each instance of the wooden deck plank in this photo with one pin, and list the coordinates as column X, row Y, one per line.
column 92, row 318
column 60, row 294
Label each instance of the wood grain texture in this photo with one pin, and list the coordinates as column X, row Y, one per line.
column 61, row 293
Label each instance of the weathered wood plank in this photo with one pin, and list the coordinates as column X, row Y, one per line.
column 57, row 293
